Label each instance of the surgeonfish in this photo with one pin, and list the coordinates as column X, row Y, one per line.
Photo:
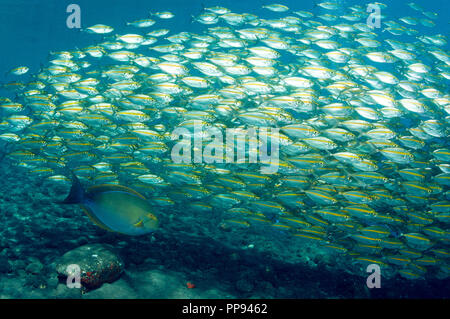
column 114, row 208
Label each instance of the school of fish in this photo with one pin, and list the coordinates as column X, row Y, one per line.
column 363, row 119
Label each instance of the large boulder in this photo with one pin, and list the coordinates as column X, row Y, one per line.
column 98, row 264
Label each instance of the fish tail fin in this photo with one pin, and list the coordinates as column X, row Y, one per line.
column 76, row 193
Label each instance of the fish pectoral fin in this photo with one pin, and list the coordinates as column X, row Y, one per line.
column 139, row 224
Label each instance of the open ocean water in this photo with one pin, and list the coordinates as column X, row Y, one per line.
column 225, row 230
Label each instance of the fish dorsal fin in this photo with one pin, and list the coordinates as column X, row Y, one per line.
column 111, row 188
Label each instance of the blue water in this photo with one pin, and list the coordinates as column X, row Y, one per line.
column 31, row 29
